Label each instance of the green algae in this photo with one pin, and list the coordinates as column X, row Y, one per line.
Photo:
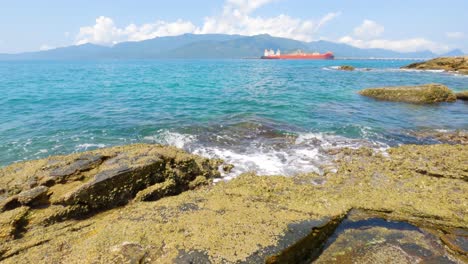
column 420, row 94
column 236, row 220
column 451, row 64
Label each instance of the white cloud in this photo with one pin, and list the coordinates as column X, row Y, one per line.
column 455, row 35
column 105, row 32
column 368, row 30
column 368, row 35
column 45, row 47
column 403, row 45
column 235, row 18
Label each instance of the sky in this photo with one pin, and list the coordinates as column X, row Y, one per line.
column 400, row 25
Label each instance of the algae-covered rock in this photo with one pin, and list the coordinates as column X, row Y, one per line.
column 420, row 94
column 346, row 68
column 102, row 179
column 462, row 95
column 248, row 219
column 11, row 223
column 451, row 137
column 452, row 64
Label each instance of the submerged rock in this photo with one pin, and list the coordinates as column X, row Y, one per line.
column 462, row 95
column 346, row 68
column 452, row 64
column 451, row 137
column 421, row 94
column 151, row 204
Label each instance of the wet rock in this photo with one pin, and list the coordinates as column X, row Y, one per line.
column 462, row 95
column 346, row 68
column 451, row 64
column 362, row 238
column 304, row 242
column 227, row 168
column 420, row 94
column 451, row 137
column 457, row 242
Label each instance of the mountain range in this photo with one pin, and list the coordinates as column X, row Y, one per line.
column 211, row 46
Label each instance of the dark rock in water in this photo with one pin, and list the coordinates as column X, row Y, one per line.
column 450, row 137
column 304, row 241
column 420, row 94
column 462, row 95
column 374, row 240
column 346, row 68
column 452, row 64
column 457, row 241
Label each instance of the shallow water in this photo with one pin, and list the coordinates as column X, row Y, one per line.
column 273, row 117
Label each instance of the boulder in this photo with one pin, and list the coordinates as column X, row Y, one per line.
column 419, row 94
column 346, row 68
column 451, row 64
column 462, row 95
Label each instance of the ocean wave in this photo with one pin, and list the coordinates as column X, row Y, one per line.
column 267, row 156
column 88, row 146
column 166, row 137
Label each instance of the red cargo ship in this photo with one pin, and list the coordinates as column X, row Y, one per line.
column 299, row 55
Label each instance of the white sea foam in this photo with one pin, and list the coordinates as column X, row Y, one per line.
column 308, row 153
column 86, row 146
column 166, row 137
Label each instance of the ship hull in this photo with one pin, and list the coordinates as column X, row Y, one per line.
column 327, row 56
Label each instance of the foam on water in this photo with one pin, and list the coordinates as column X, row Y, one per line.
column 88, row 146
column 307, row 153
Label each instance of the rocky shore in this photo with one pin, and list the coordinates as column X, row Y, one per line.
column 449, row 64
column 419, row 94
column 156, row 204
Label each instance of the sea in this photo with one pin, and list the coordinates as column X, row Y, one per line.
column 272, row 117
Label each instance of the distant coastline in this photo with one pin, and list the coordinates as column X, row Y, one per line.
column 213, row 46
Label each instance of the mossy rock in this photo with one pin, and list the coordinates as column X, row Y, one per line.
column 246, row 219
column 420, row 94
column 346, row 68
column 462, row 95
column 451, row 64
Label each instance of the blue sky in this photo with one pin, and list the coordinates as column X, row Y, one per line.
column 408, row 25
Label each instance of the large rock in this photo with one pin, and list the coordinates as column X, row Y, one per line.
column 103, row 179
column 346, row 68
column 462, row 95
column 452, row 64
column 249, row 219
column 420, row 94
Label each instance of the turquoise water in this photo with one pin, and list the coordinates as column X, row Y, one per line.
column 269, row 116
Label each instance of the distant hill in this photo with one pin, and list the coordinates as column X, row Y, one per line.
column 210, row 46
